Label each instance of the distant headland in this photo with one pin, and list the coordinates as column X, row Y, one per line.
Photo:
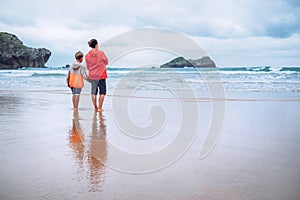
column 14, row 54
column 181, row 62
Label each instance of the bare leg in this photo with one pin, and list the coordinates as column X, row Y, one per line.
column 101, row 100
column 74, row 101
column 94, row 100
column 77, row 97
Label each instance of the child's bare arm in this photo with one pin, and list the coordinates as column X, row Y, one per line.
column 68, row 79
column 83, row 73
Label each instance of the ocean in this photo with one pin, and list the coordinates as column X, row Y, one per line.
column 232, row 79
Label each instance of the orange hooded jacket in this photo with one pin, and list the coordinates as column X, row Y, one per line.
column 96, row 62
column 76, row 75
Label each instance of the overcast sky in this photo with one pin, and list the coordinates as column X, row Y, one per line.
column 233, row 32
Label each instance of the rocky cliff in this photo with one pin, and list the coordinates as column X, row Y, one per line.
column 181, row 62
column 13, row 54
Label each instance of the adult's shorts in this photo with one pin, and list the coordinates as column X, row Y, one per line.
column 98, row 86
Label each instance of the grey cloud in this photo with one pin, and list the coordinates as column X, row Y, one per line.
column 253, row 18
column 196, row 18
column 282, row 30
column 295, row 3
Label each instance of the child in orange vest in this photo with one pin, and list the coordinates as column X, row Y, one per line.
column 75, row 78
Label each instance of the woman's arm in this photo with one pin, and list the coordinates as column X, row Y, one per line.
column 104, row 58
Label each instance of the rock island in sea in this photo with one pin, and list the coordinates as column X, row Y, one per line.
column 14, row 54
column 181, row 62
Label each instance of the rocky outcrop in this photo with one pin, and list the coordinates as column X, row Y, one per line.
column 181, row 62
column 13, row 54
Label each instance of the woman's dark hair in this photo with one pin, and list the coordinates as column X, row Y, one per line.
column 92, row 43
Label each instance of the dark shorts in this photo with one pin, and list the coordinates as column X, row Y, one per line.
column 75, row 91
column 98, row 86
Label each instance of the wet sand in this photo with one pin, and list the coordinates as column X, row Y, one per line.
column 48, row 151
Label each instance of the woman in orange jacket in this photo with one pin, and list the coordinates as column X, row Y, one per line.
column 96, row 62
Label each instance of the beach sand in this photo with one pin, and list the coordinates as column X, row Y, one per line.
column 48, row 151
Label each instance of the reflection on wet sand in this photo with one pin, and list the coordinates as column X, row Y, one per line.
column 76, row 138
column 97, row 151
column 89, row 149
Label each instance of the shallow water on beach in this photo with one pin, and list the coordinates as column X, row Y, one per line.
column 49, row 151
